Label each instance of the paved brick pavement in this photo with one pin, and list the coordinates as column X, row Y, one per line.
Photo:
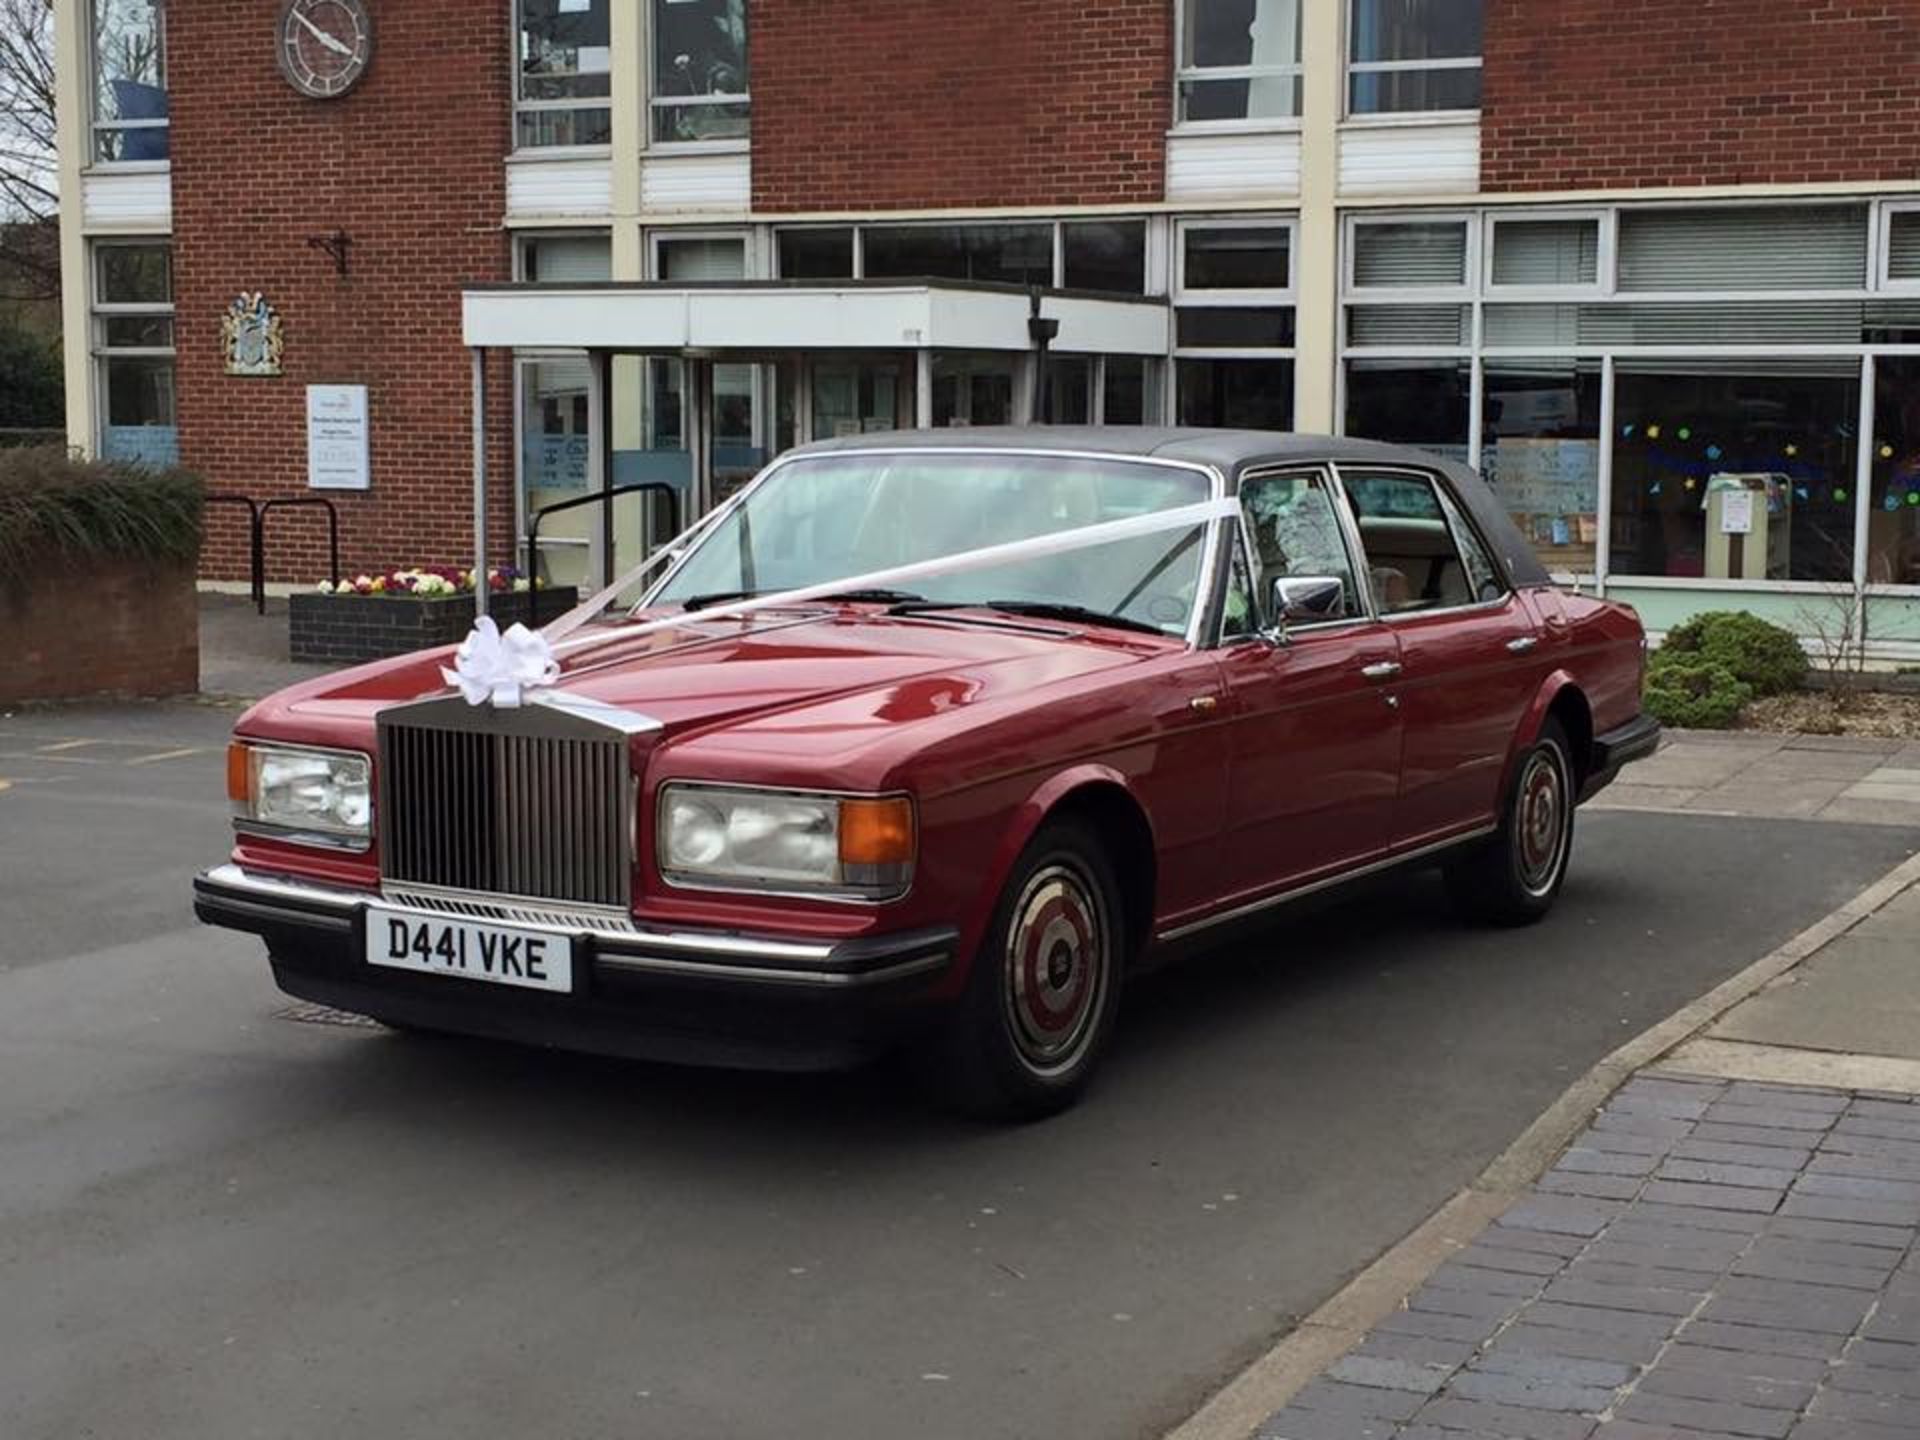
column 1710, row 1260
column 1744, row 772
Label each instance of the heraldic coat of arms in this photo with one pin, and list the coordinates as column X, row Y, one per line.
column 250, row 335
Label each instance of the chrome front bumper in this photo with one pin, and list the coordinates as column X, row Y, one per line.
column 702, row 997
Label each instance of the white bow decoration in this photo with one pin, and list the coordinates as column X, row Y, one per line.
column 501, row 669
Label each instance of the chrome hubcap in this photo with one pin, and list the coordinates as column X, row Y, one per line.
column 1056, row 968
column 1540, row 822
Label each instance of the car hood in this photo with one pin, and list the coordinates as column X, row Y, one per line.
column 708, row 672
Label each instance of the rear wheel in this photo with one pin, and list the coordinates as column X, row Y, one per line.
column 1025, row 1036
column 1515, row 876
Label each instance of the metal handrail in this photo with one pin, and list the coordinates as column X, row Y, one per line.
column 598, row 497
column 257, row 535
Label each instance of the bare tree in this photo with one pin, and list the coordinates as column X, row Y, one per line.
column 29, row 183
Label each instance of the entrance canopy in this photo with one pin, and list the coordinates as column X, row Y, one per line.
column 755, row 319
column 734, row 372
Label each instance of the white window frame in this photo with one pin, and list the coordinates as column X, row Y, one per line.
column 1183, row 73
column 1349, row 67
column 1457, row 294
column 95, row 125
column 523, row 238
column 99, row 310
column 653, row 103
column 1603, row 270
column 1239, row 298
column 1882, row 247
column 666, row 235
column 523, row 106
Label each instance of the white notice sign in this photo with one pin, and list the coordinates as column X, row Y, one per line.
column 337, row 437
column 1736, row 512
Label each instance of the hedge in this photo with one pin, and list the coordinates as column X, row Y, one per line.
column 1760, row 654
column 1693, row 693
column 54, row 506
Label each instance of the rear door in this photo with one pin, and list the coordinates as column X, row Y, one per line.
column 1315, row 739
column 1469, row 651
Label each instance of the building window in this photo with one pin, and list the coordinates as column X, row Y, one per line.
column 1413, row 55
column 1893, row 512
column 699, row 70
column 815, row 253
column 1106, row 255
column 1785, row 247
column 1731, row 471
column 129, row 80
column 566, row 73
column 133, row 350
column 1014, row 254
column 1903, row 249
column 1239, row 60
column 1540, row 451
column 1553, row 253
column 564, row 259
column 1234, row 324
column 1409, row 255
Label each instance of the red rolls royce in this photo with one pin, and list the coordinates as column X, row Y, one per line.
column 952, row 815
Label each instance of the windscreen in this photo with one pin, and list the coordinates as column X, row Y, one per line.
column 837, row 516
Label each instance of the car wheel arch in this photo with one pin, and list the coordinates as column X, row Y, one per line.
column 1101, row 796
column 1559, row 697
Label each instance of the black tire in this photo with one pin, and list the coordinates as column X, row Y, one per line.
column 1514, row 877
column 1023, row 1040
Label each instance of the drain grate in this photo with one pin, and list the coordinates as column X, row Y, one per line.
column 304, row 1013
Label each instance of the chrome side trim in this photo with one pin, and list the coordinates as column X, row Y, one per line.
column 648, row 964
column 1269, row 902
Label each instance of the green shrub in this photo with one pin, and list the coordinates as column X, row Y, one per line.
column 53, row 505
column 32, row 386
column 1693, row 693
column 1760, row 654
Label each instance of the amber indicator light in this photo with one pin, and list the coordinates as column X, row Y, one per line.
column 876, row 832
column 239, row 781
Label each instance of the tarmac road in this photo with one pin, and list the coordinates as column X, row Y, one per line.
column 217, row 1222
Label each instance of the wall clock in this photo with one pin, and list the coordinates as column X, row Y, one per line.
column 324, row 45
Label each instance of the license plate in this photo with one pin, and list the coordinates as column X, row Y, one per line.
column 466, row 950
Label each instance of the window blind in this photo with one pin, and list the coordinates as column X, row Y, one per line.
column 1380, row 325
column 696, row 260
column 1795, row 247
column 1546, row 252
column 1903, row 245
column 559, row 259
column 1407, row 256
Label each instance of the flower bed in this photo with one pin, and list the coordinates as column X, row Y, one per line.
column 370, row 617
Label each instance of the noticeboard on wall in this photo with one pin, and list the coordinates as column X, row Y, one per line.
column 337, row 448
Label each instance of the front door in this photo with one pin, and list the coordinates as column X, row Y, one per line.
column 1315, row 738
column 1469, row 657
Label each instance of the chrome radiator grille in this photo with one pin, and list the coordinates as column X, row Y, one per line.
column 546, row 817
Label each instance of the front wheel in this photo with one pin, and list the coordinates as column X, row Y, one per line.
column 1514, row 877
column 1026, row 1034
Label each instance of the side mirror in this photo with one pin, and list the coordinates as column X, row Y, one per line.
column 1308, row 597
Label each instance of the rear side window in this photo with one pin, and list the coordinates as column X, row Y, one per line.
column 1413, row 536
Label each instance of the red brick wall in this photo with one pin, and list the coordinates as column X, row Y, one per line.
column 887, row 104
column 408, row 163
column 130, row 629
column 1699, row 92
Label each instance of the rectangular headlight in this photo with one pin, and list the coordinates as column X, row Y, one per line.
column 321, row 796
column 850, row 845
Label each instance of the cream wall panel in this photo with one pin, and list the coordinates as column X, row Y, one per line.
column 1432, row 159
column 709, row 183
column 127, row 199
column 559, row 185
column 1211, row 168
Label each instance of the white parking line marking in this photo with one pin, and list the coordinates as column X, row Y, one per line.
column 168, row 755
column 68, row 745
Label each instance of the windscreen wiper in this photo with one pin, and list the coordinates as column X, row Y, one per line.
column 1038, row 610
column 875, row 597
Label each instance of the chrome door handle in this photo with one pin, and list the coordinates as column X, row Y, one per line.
column 1522, row 645
column 1384, row 670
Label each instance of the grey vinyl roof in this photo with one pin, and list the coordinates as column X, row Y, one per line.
column 1230, row 451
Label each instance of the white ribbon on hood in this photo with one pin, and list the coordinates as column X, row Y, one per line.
column 501, row 670
column 508, row 670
